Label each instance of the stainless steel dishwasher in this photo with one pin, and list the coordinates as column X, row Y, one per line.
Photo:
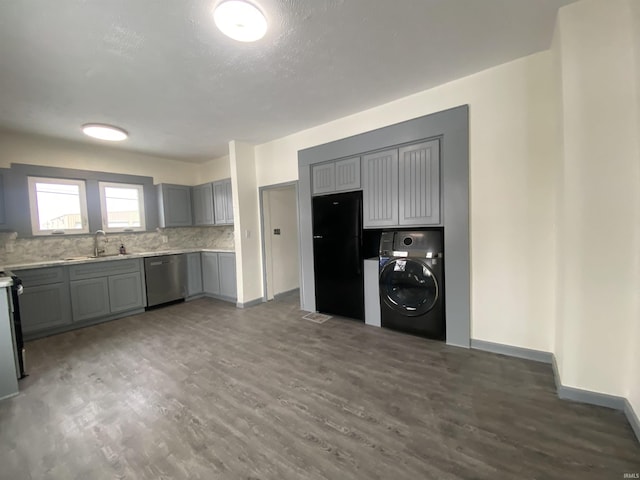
column 165, row 278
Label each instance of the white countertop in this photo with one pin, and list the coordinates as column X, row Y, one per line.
column 5, row 282
column 88, row 259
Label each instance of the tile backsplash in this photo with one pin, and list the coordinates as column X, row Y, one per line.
column 15, row 250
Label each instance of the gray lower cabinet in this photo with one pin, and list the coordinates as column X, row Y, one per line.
column 194, row 274
column 210, row 273
column 45, row 303
column 203, row 212
column 102, row 289
column 89, row 299
column 227, row 269
column 223, row 202
column 219, row 274
column 44, row 307
column 125, row 292
column 174, row 205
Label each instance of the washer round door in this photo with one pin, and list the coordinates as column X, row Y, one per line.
column 408, row 286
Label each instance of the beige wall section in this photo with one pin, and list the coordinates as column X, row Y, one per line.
column 512, row 153
column 213, row 170
column 246, row 221
column 633, row 379
column 281, row 251
column 556, row 53
column 600, row 217
column 38, row 150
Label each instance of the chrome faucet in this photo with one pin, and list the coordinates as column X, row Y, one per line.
column 97, row 251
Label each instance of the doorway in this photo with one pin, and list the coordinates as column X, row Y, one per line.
column 279, row 214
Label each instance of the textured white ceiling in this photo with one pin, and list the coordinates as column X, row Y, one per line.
column 162, row 71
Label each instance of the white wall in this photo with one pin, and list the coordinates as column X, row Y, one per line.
column 512, row 151
column 246, row 221
column 600, row 207
column 38, row 150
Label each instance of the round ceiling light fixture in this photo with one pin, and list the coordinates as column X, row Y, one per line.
column 240, row 20
column 104, row 132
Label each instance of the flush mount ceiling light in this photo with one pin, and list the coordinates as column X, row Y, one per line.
column 104, row 132
column 240, row 20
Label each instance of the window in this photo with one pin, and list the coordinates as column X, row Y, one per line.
column 122, row 207
column 57, row 206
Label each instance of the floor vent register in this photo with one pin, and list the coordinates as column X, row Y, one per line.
column 316, row 317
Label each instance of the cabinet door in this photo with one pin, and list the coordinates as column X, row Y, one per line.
column 210, row 273
column 228, row 201
column 220, row 203
column 380, row 189
column 175, row 205
column 194, row 274
column 202, row 197
column 419, row 184
column 3, row 215
column 227, row 266
column 125, row 292
column 348, row 174
column 45, row 306
column 324, row 178
column 89, row 298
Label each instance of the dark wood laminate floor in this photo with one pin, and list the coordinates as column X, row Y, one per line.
column 205, row 391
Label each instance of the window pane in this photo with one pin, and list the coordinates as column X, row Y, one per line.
column 58, row 206
column 123, row 207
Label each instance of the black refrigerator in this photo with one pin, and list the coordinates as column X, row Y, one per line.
column 337, row 254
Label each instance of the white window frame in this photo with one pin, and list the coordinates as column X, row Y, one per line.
column 33, row 206
column 103, row 206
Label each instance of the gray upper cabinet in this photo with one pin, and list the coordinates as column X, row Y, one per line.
column 401, row 187
column 419, row 184
column 380, row 189
column 194, row 274
column 348, row 174
column 223, row 202
column 3, row 213
column 174, row 205
column 324, row 178
column 202, row 197
column 336, row 176
column 227, row 265
column 229, row 200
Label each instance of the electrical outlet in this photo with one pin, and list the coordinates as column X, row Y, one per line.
column 247, row 234
column 9, row 247
column 165, row 239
